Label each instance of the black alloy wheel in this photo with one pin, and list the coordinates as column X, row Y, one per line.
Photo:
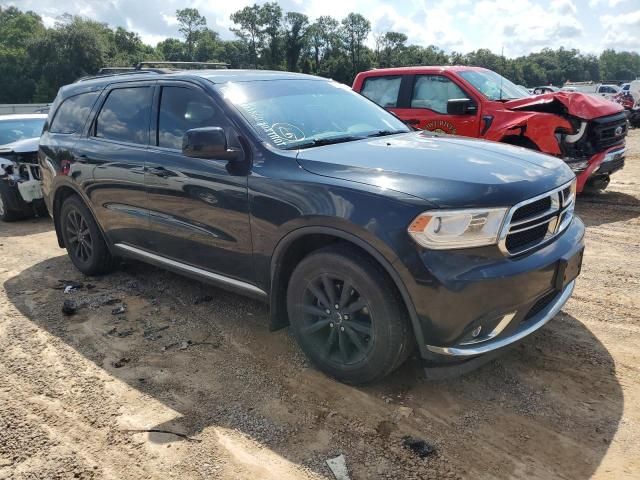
column 78, row 237
column 83, row 238
column 347, row 315
column 337, row 320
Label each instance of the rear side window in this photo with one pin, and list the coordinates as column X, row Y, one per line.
column 382, row 90
column 182, row 109
column 73, row 112
column 434, row 91
column 125, row 115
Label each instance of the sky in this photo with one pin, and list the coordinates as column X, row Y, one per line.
column 518, row 26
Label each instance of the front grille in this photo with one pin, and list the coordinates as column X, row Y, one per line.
column 519, row 240
column 535, row 221
column 532, row 209
column 606, row 132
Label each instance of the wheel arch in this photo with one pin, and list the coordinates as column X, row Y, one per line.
column 301, row 242
column 520, row 141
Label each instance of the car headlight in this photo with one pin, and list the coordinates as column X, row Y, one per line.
column 577, row 167
column 448, row 229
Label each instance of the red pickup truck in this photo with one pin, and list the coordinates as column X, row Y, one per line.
column 587, row 132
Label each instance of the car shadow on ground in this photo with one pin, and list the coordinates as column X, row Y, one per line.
column 27, row 226
column 605, row 207
column 551, row 404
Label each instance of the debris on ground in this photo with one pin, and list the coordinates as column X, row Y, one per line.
column 338, row 466
column 68, row 285
column 404, row 412
column 203, row 299
column 185, row 344
column 420, row 447
column 69, row 307
column 152, row 333
column 119, row 310
column 121, row 363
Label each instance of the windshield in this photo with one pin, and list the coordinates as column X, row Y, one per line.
column 305, row 113
column 492, row 85
column 14, row 130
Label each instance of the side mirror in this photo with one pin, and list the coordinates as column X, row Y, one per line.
column 461, row 106
column 208, row 143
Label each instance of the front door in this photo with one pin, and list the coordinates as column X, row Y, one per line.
column 425, row 106
column 198, row 208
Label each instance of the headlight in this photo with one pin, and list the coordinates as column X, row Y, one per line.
column 577, row 167
column 447, row 229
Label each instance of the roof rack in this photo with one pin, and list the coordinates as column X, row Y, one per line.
column 148, row 67
column 142, row 65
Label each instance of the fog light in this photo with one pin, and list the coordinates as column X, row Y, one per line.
column 476, row 332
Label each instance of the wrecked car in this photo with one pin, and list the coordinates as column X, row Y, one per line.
column 20, row 190
column 587, row 132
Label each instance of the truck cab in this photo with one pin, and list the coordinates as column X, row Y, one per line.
column 587, row 132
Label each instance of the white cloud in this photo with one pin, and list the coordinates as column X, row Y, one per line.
column 622, row 31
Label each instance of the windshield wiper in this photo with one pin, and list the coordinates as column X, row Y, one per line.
column 318, row 142
column 384, row 133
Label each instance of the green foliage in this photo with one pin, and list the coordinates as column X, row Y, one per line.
column 35, row 61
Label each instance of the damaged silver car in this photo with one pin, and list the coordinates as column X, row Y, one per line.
column 20, row 190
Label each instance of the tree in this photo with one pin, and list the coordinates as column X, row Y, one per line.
column 322, row 38
column 355, row 29
column 295, row 31
column 250, row 30
column 271, row 20
column 191, row 23
column 207, row 46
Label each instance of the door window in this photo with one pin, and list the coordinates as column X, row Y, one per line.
column 382, row 90
column 182, row 109
column 433, row 92
column 125, row 115
column 73, row 112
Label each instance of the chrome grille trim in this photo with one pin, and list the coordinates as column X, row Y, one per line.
column 558, row 217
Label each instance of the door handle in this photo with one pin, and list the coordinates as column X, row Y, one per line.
column 82, row 158
column 159, row 172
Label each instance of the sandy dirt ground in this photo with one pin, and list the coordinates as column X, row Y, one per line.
column 188, row 382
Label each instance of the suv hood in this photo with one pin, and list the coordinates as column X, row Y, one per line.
column 580, row 105
column 26, row 145
column 446, row 171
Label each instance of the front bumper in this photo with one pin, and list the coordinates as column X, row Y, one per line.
column 473, row 302
column 602, row 163
column 524, row 329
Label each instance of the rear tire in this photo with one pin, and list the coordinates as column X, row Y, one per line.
column 83, row 239
column 6, row 215
column 366, row 334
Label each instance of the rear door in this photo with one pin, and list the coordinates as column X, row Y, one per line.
column 115, row 150
column 423, row 104
column 199, row 210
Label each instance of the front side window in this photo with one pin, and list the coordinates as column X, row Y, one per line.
column 492, row 85
column 14, row 130
column 304, row 113
column 125, row 115
column 73, row 112
column 434, row 91
column 382, row 90
column 182, row 109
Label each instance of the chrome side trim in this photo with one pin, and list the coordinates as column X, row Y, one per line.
column 216, row 277
column 534, row 324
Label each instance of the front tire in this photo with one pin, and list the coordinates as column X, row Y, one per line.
column 83, row 239
column 347, row 316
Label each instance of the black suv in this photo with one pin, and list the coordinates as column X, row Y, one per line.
column 367, row 238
